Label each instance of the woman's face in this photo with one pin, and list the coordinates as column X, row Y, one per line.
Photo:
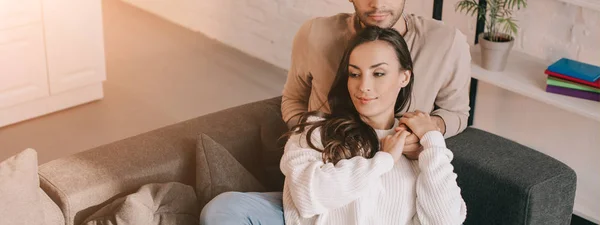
column 375, row 79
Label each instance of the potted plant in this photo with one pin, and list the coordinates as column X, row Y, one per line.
column 500, row 28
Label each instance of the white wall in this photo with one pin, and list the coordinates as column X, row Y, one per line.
column 549, row 29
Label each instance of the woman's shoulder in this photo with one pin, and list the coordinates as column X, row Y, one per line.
column 300, row 139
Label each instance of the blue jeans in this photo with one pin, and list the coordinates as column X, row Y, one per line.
column 244, row 208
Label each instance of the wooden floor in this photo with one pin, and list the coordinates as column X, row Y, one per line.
column 157, row 74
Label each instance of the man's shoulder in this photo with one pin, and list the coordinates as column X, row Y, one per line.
column 339, row 21
column 330, row 27
column 425, row 24
column 434, row 31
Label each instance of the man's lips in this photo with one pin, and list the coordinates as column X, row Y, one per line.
column 378, row 16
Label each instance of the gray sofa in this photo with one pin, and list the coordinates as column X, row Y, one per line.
column 502, row 182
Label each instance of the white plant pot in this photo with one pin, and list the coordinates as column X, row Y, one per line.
column 494, row 54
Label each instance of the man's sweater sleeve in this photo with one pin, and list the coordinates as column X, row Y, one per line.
column 452, row 100
column 438, row 196
column 316, row 187
column 297, row 88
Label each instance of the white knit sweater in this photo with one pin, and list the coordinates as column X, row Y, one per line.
column 370, row 191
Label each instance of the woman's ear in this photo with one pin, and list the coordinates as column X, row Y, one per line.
column 405, row 78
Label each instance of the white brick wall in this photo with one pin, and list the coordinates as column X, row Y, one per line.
column 550, row 29
column 262, row 28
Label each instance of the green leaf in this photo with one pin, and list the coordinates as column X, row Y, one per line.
column 498, row 14
column 510, row 26
column 518, row 3
column 469, row 6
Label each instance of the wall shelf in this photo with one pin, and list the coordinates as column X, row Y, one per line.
column 524, row 74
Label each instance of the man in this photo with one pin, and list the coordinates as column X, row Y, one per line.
column 442, row 64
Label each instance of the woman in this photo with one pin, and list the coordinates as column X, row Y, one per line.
column 337, row 169
column 347, row 167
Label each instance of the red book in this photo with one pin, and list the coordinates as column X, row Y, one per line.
column 595, row 84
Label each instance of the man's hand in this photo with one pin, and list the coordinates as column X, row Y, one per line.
column 419, row 123
column 412, row 147
column 440, row 123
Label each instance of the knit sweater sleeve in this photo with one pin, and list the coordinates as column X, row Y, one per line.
column 438, row 196
column 452, row 99
column 316, row 187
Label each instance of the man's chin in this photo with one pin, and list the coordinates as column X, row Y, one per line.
column 380, row 24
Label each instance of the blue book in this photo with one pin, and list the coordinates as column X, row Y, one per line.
column 576, row 69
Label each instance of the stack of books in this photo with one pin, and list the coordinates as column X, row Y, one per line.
column 574, row 78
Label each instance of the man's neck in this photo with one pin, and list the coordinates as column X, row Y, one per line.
column 401, row 25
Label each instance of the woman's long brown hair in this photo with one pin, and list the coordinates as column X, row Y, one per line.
column 343, row 134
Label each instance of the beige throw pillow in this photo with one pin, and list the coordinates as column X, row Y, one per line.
column 153, row 204
column 19, row 185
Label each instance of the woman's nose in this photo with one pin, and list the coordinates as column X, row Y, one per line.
column 365, row 86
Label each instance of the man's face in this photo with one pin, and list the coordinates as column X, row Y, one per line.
column 381, row 13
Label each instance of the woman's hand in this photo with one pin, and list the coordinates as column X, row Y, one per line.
column 394, row 144
column 419, row 123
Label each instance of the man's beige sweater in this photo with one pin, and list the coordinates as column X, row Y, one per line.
column 440, row 53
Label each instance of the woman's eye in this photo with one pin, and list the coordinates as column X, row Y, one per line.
column 378, row 74
column 353, row 74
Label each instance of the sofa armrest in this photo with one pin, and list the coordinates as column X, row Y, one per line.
column 503, row 182
column 83, row 183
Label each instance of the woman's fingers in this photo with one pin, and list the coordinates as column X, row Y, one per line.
column 404, row 134
column 401, row 127
column 402, row 137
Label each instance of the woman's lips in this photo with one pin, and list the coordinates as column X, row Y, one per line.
column 365, row 100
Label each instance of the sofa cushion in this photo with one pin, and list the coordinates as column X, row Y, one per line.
column 153, row 204
column 252, row 135
column 217, row 171
column 52, row 213
column 19, row 190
